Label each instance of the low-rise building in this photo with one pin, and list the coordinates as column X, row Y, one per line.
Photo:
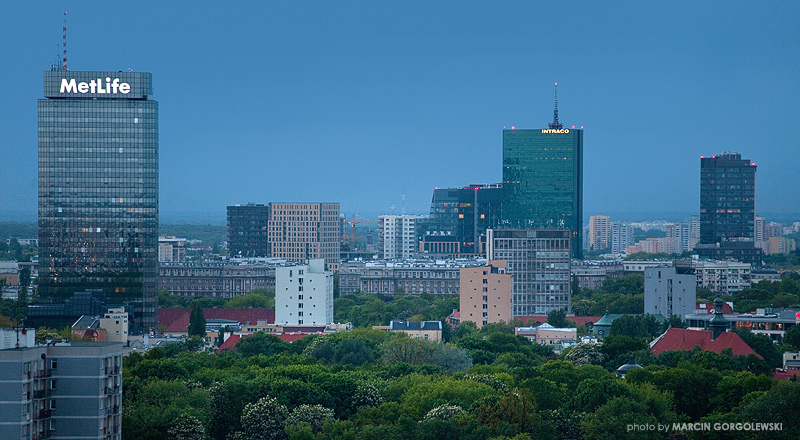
column 771, row 322
column 546, row 334
column 214, row 279
column 791, row 361
column 592, row 274
column 428, row 330
column 410, row 276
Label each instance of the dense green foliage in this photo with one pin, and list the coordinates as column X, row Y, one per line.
column 485, row 384
column 209, row 234
column 779, row 294
column 366, row 309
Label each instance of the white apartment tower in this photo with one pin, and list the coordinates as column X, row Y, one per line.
column 621, row 237
column 667, row 293
column 398, row 235
column 304, row 294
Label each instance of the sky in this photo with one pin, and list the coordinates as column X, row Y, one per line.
column 374, row 104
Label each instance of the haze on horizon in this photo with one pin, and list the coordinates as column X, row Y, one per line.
column 362, row 103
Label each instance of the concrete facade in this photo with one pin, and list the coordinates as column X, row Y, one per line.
column 667, row 293
column 70, row 392
column 304, row 294
column 485, row 294
column 398, row 235
column 301, row 232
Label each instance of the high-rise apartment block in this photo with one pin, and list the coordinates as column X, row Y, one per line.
column 539, row 260
column 304, row 294
column 599, row 232
column 301, row 232
column 622, row 236
column 728, row 208
column 459, row 219
column 247, row 230
column 98, row 188
column 485, row 294
column 71, row 392
column 399, row 235
column 543, row 180
column 668, row 293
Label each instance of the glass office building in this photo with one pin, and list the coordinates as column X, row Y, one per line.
column 543, row 181
column 247, row 230
column 98, row 189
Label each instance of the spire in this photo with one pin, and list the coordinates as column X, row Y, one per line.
column 555, row 123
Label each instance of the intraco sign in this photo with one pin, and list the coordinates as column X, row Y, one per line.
column 95, row 86
column 547, row 130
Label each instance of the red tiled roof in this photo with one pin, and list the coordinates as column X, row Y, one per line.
column 578, row 320
column 167, row 316
column 786, row 374
column 229, row 343
column 243, row 316
column 291, row 337
column 683, row 339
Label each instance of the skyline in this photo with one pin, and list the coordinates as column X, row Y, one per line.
column 392, row 100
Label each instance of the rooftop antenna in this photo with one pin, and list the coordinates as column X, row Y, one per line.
column 555, row 123
column 403, row 203
column 64, row 61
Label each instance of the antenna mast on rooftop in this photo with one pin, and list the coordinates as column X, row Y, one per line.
column 64, row 60
column 555, row 123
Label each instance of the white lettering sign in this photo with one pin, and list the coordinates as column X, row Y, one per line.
column 95, row 86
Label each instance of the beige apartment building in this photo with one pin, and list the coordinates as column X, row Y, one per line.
column 485, row 293
column 301, row 232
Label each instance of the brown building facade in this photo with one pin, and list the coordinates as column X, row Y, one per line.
column 301, row 232
column 485, row 293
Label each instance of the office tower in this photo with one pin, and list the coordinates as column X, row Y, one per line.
column 459, row 219
column 599, row 232
column 543, row 179
column 98, row 189
column 485, row 294
column 304, row 294
column 622, row 237
column 728, row 208
column 539, row 262
column 247, row 230
column 301, row 232
column 399, row 235
column 668, row 293
column 72, row 392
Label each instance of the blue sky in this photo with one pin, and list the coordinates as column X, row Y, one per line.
column 362, row 102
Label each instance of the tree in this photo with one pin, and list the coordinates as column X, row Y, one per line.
column 792, row 337
column 557, row 318
column 260, row 343
column 636, row 326
column 263, row 420
column 187, row 427
column 197, row 322
column 314, row 415
column 585, row 354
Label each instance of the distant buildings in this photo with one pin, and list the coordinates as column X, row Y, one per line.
column 304, row 294
column 62, row 391
column 214, row 279
column 668, row 293
column 599, row 232
column 247, row 230
column 543, row 180
column 428, row 330
column 409, row 276
column 622, row 236
column 98, row 188
column 485, row 294
column 459, row 217
column 171, row 249
column 539, row 260
column 301, row 232
column 728, row 209
column 399, row 238
column 110, row 327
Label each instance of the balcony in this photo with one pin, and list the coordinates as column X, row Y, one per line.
column 41, row 394
column 43, row 373
column 112, row 389
column 42, row 414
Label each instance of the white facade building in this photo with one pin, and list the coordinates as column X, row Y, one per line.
column 667, row 293
column 621, row 236
column 304, row 294
column 599, row 232
column 398, row 235
column 725, row 277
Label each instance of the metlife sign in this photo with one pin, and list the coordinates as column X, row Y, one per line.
column 96, row 85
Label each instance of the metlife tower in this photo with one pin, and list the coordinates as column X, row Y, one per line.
column 98, row 189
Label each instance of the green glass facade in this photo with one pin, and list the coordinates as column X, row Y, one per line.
column 543, row 181
column 98, row 189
